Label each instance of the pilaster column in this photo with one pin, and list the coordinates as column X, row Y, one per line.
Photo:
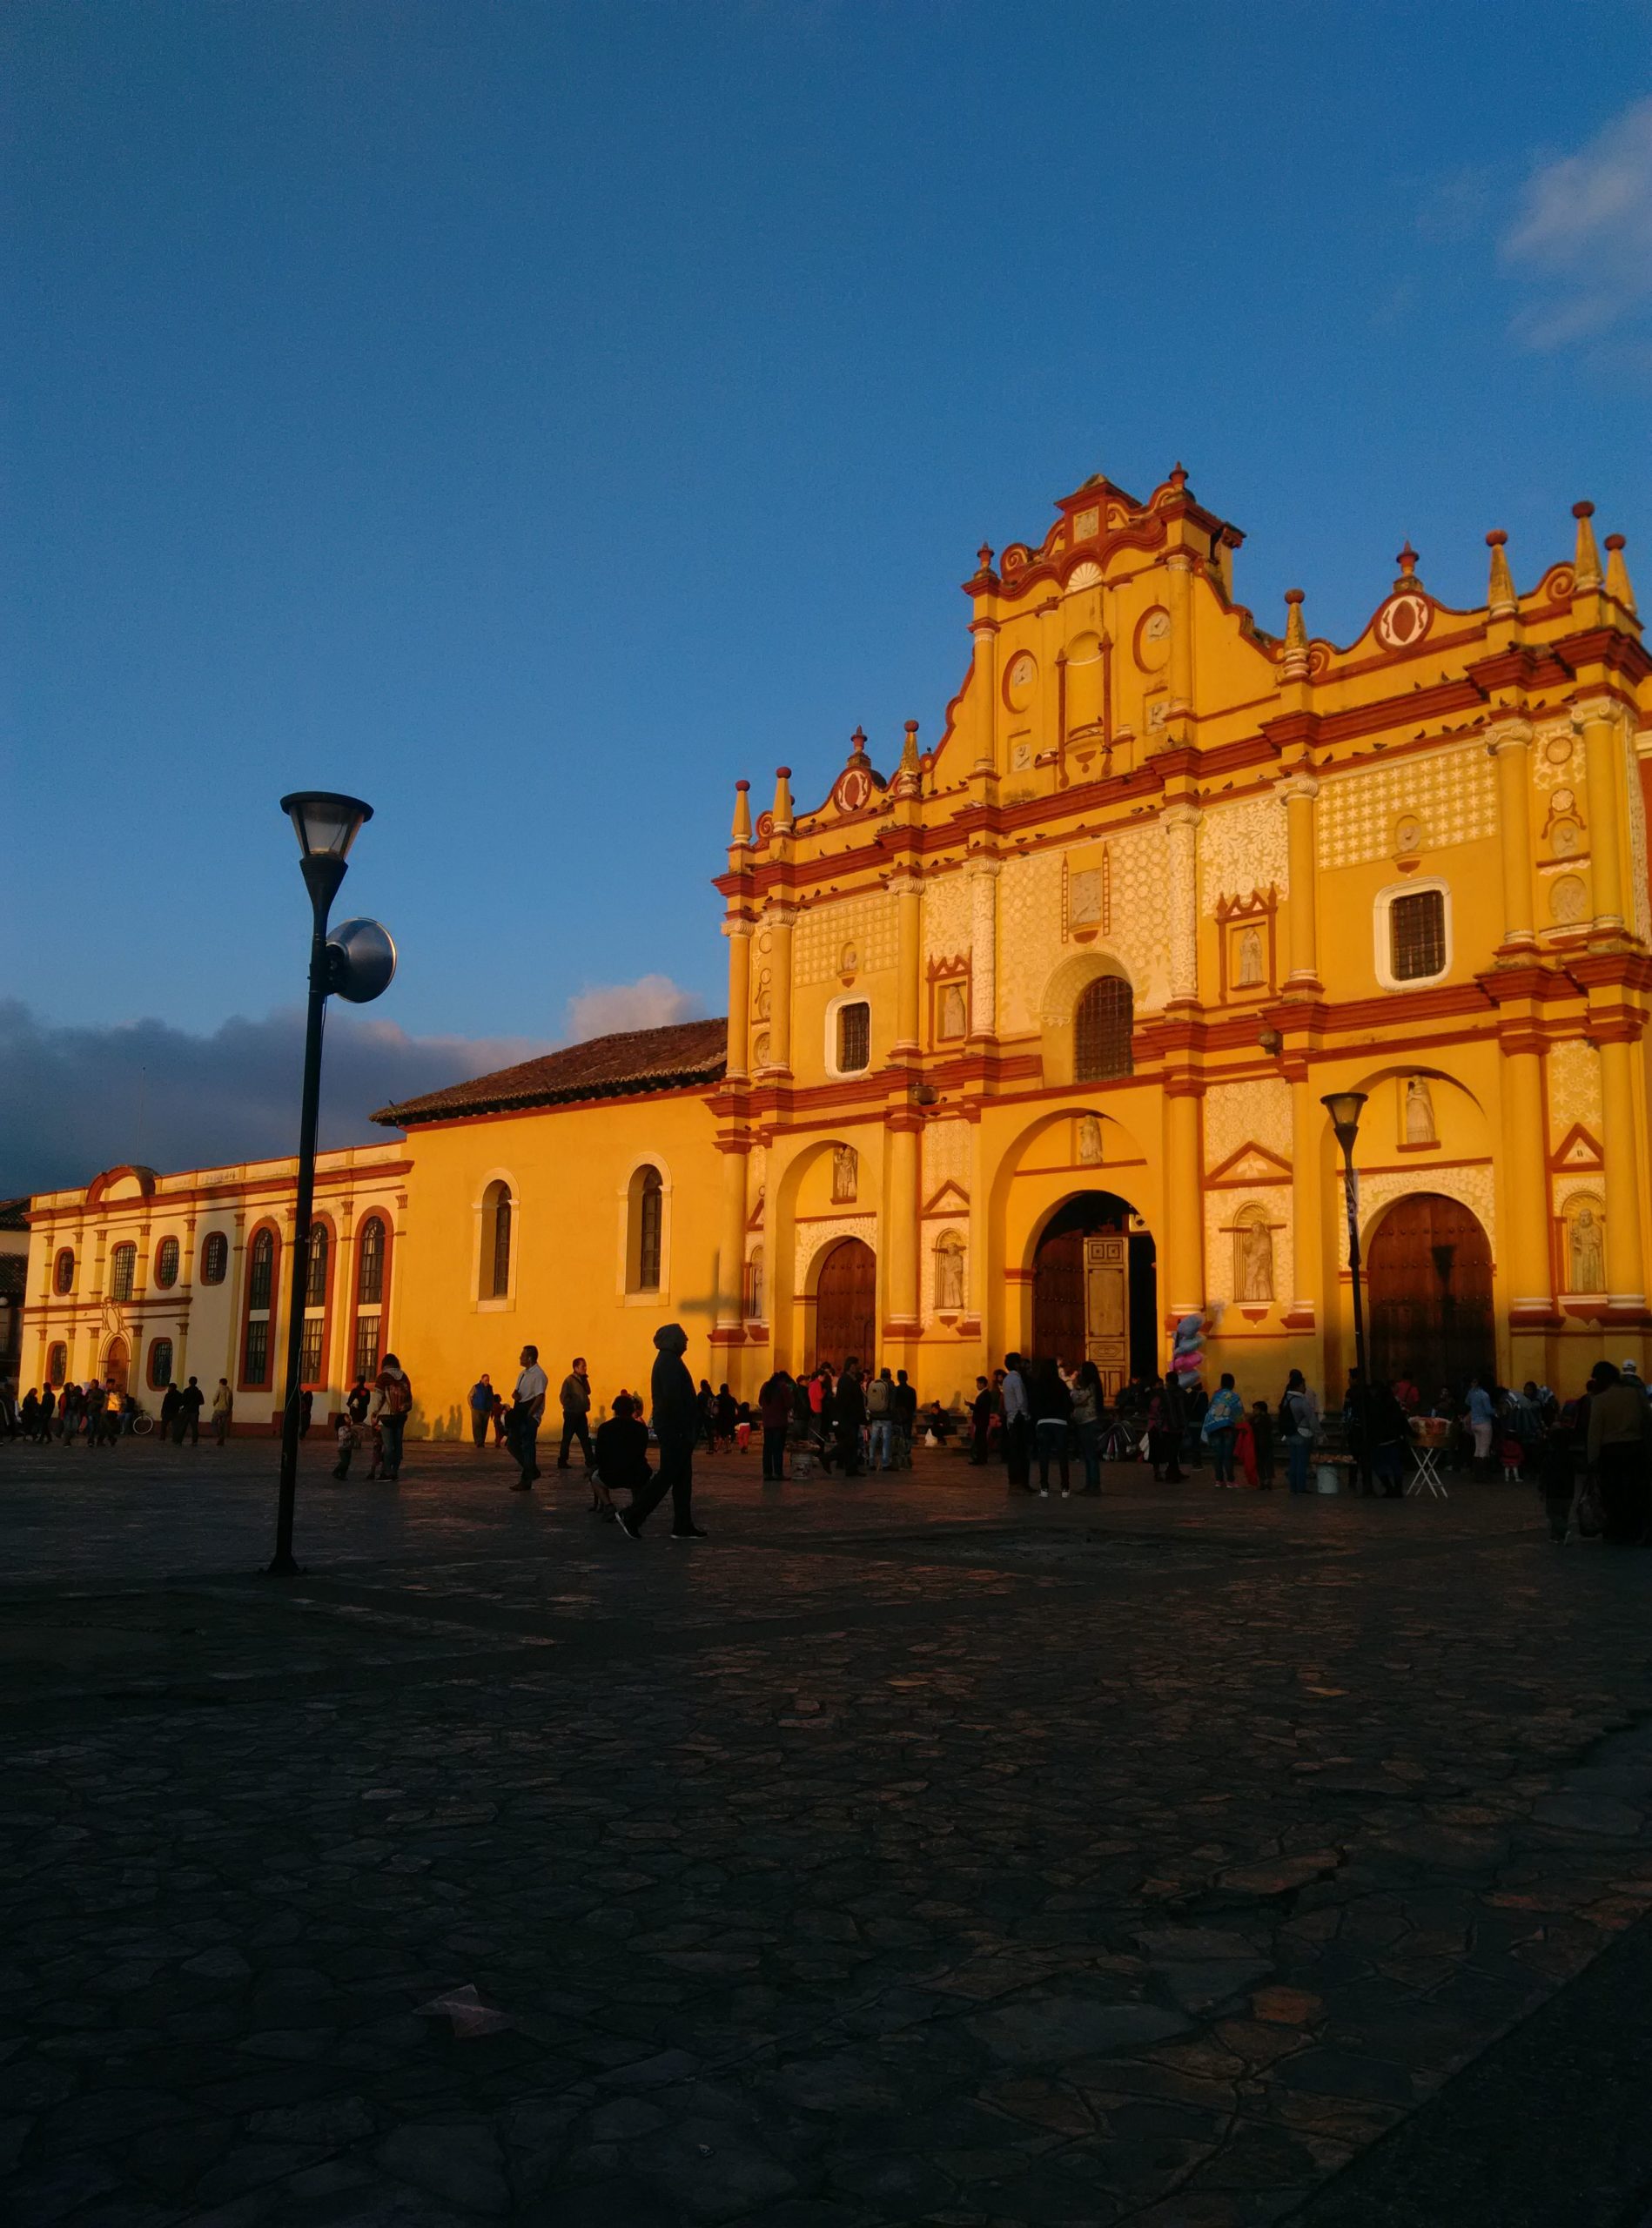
column 983, row 947
column 731, row 1244
column 1625, row 1270
column 185, row 1281
column 1178, row 596
column 986, row 632
column 1597, row 722
column 1184, row 1198
column 1509, row 742
column 908, row 948
column 1526, row 1190
column 738, row 932
column 1307, row 1207
column 1297, row 793
column 1180, row 823
column 781, row 919
column 905, row 1128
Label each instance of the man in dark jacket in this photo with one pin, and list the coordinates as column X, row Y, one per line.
column 848, row 1415
column 773, row 1413
column 676, row 1423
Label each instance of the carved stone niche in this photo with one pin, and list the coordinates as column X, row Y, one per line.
column 1247, row 937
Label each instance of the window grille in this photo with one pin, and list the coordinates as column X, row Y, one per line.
column 166, row 1258
column 215, row 1257
column 370, row 1262
column 63, row 1273
column 309, row 1351
column 1417, row 935
column 368, row 1346
column 123, row 1271
column 650, row 1224
column 261, row 1274
column 255, row 1356
column 854, row 1038
column 56, row 1366
column 315, row 1283
column 160, row 1364
column 496, row 1242
column 1101, row 1031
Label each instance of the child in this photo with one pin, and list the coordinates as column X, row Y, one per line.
column 375, row 1466
column 1557, row 1476
column 742, row 1427
column 1262, row 1438
column 1514, row 1455
column 345, row 1437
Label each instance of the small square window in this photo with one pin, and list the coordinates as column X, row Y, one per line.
column 1417, row 935
column 854, row 1038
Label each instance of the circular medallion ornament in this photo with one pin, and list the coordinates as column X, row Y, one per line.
column 1558, row 750
column 854, row 789
column 1407, row 835
column 1404, row 619
column 1564, row 838
column 1018, row 679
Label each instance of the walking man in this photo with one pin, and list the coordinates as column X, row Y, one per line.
column 576, row 1409
column 96, row 1408
column 774, row 1405
column 394, row 1389
column 191, row 1401
column 880, row 1421
column 676, row 1425
column 223, row 1410
column 1018, row 1426
column 522, row 1425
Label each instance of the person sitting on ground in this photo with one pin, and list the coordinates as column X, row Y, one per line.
column 725, row 1415
column 621, row 1457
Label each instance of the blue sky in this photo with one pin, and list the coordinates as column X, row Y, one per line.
column 533, row 417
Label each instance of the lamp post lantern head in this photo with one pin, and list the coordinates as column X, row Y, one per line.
column 1345, row 1108
column 327, row 824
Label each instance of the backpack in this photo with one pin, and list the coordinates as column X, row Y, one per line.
column 398, row 1396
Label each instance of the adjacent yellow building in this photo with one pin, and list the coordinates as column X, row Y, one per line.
column 1027, row 1040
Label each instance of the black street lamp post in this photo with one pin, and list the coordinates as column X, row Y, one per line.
column 1345, row 1108
column 356, row 961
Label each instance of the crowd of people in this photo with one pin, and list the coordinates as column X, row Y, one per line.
column 1590, row 1457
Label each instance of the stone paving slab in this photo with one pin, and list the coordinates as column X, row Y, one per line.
column 905, row 1852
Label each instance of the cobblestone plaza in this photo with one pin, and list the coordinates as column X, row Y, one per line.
column 901, row 1854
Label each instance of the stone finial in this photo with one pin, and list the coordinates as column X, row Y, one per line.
column 1502, row 602
column 908, row 777
column 908, row 756
column 983, row 556
column 1296, row 637
column 1586, row 566
column 858, row 748
column 783, row 816
column 1178, row 475
column 1408, row 561
column 1618, row 586
column 741, row 831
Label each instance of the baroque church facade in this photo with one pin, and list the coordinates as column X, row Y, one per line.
column 1027, row 1038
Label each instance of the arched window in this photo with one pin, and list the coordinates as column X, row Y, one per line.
column 1101, row 1027
column 57, row 1365
column 372, row 1283
column 495, row 1281
column 370, row 1262
column 166, row 1258
column 122, row 1271
column 315, row 1283
column 62, row 1275
column 854, row 1038
column 645, row 1230
column 261, row 1270
column 215, row 1257
column 160, row 1364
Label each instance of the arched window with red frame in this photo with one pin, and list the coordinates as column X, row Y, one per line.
column 257, row 1321
column 160, row 1364
column 167, row 1257
column 57, row 1365
column 62, row 1271
column 122, row 1271
column 368, row 1342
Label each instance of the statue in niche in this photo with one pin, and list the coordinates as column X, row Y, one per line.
column 1588, row 1254
column 1420, row 1113
column 846, row 1173
column 1089, row 1140
column 1250, row 960
column 953, row 1020
column 949, row 1276
column 1254, row 1270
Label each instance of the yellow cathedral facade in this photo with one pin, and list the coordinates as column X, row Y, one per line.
column 1027, row 1038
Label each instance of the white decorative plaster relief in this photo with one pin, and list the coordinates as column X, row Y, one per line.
column 866, row 925
column 1242, row 1113
column 811, row 1235
column 1453, row 792
column 1243, row 848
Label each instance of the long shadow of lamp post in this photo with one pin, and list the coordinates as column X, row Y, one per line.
column 1345, row 1108
column 356, row 961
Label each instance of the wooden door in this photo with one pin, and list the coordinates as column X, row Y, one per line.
column 118, row 1363
column 846, row 1306
column 1428, row 1293
column 1059, row 1297
column 1107, row 1308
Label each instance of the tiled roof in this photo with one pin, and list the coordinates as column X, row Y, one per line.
column 605, row 1067
column 13, row 1213
column 14, row 1275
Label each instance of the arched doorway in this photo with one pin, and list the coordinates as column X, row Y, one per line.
column 1094, row 1290
column 846, row 1305
column 117, row 1363
column 1428, row 1292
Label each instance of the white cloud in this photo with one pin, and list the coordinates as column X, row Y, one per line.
column 1584, row 236
column 74, row 1100
column 649, row 1003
